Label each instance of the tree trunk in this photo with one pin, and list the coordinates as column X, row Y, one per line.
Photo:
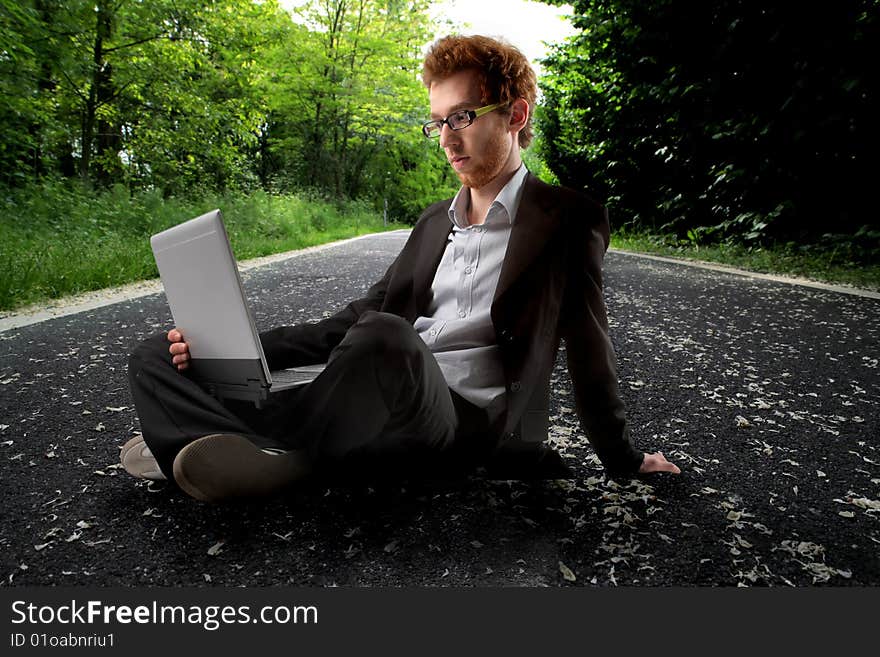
column 98, row 84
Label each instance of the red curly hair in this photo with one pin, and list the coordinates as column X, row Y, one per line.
column 504, row 72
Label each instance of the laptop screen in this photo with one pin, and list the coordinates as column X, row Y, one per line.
column 203, row 287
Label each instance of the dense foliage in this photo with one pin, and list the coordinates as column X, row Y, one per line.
column 756, row 121
column 188, row 95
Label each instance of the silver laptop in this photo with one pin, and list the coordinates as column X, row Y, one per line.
column 203, row 287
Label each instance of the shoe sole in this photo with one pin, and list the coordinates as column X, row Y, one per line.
column 227, row 466
column 136, row 464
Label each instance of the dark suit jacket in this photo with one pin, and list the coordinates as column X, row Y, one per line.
column 550, row 287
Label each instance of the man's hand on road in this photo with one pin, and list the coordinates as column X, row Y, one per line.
column 179, row 349
column 656, row 462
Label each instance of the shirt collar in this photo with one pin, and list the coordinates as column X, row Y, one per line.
column 507, row 200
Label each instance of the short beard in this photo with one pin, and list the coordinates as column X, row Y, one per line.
column 496, row 156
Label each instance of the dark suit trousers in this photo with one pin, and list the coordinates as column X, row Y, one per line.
column 382, row 397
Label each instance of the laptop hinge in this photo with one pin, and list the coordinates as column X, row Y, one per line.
column 254, row 391
column 232, row 378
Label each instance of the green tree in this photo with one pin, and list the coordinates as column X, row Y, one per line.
column 215, row 94
column 722, row 118
column 27, row 119
column 161, row 92
column 346, row 104
column 195, row 105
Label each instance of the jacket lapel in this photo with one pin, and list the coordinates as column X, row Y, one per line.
column 437, row 229
column 535, row 223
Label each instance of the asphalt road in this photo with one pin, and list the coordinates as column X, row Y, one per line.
column 766, row 394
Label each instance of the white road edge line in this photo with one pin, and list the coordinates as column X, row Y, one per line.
column 106, row 297
column 727, row 269
column 99, row 298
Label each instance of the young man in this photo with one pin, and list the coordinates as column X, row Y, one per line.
column 450, row 353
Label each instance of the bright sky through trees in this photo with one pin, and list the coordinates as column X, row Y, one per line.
column 524, row 23
column 527, row 25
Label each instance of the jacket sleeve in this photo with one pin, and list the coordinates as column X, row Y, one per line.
column 305, row 344
column 589, row 351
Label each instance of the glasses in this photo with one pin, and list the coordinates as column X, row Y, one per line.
column 456, row 121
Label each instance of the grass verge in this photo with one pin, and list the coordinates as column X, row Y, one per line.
column 57, row 239
column 817, row 262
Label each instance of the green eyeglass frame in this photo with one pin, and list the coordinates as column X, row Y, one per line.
column 458, row 120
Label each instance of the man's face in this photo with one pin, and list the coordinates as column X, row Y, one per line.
column 478, row 152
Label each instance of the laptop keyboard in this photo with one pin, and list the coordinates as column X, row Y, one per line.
column 293, row 375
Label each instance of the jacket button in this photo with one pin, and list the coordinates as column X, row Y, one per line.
column 512, row 435
column 515, row 386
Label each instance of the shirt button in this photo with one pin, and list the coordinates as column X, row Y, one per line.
column 433, row 331
column 468, row 270
column 462, row 313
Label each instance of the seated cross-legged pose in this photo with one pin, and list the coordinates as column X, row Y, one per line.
column 450, row 353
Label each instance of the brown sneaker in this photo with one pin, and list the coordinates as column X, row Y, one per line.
column 221, row 467
column 138, row 460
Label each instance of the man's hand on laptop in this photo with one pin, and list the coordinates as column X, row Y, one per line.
column 179, row 349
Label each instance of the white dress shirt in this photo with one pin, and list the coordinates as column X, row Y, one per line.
column 458, row 328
